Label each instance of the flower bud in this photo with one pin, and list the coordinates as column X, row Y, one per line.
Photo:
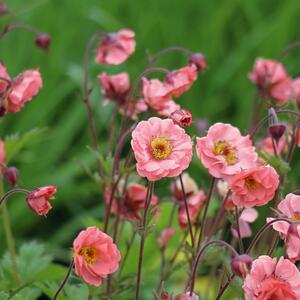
column 241, row 264
column 199, row 60
column 11, row 175
column 182, row 117
column 277, row 130
column 165, row 237
column 3, row 9
column 43, row 41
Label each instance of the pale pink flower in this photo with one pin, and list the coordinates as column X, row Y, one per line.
column 267, row 145
column 289, row 208
column 38, row 199
column 190, row 187
column 194, row 203
column 3, row 83
column 272, row 80
column 186, row 296
column 169, row 107
column 181, row 80
column 95, row 255
column 222, row 187
column 165, row 236
column 224, row 151
column 115, row 87
column 182, row 117
column 161, row 149
column 254, row 187
column 115, row 48
column 24, row 87
column 248, row 216
column 269, row 279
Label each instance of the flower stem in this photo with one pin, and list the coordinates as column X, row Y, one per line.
column 238, row 229
column 65, row 280
column 187, row 211
column 7, row 194
column 143, row 236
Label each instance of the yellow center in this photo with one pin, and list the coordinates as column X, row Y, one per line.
column 224, row 149
column 295, row 217
column 160, row 148
column 251, row 183
column 89, row 254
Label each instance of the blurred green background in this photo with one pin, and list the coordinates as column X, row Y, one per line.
column 231, row 33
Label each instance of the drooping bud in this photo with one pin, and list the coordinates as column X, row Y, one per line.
column 277, row 130
column 43, row 41
column 241, row 264
column 11, row 175
column 199, row 60
column 182, row 117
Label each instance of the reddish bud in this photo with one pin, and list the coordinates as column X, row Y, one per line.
column 11, row 175
column 43, row 41
column 277, row 130
column 241, row 264
column 199, row 60
column 182, row 117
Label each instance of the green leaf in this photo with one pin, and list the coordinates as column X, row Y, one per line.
column 3, row 296
column 77, row 292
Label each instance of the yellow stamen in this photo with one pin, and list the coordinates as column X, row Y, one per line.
column 251, row 183
column 228, row 152
column 160, row 148
column 89, row 254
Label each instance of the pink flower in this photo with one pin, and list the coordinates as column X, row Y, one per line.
column 267, row 145
column 224, row 151
column 254, row 187
column 194, row 203
column 190, row 187
column 3, row 83
column 115, row 48
column 272, row 80
column 181, row 80
column 24, row 87
column 186, row 296
column 135, row 107
column 248, row 216
column 182, row 117
column 161, row 149
column 289, row 208
column 38, row 199
column 296, row 90
column 95, row 255
column 165, row 236
column 115, row 87
column 168, row 109
column 269, row 279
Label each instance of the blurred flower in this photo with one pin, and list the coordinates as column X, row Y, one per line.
column 224, row 151
column 95, row 255
column 201, row 125
column 161, row 149
column 182, row 117
column 38, row 199
column 115, row 48
column 194, row 203
column 43, row 41
column 296, row 91
column 241, row 264
column 254, row 187
column 11, row 175
column 289, row 208
column 222, row 187
column 267, row 145
column 269, row 279
column 272, row 80
column 186, row 296
column 248, row 216
column 199, row 60
column 165, row 236
column 190, row 187
column 3, row 75
column 135, row 107
column 3, row 9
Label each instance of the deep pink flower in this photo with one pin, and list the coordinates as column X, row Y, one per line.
column 289, row 208
column 269, row 279
column 248, row 216
column 115, row 48
column 267, row 145
column 181, row 80
column 95, row 255
column 161, row 149
column 165, row 236
column 3, row 74
column 190, row 187
column 38, row 199
column 182, row 117
column 194, row 203
column 24, row 87
column 254, row 187
column 272, row 80
column 224, row 151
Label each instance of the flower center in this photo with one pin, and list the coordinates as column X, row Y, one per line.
column 228, row 152
column 295, row 217
column 89, row 254
column 251, row 183
column 160, row 148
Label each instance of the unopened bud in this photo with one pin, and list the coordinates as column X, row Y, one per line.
column 182, row 117
column 43, row 41
column 199, row 60
column 277, row 130
column 11, row 175
column 241, row 264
